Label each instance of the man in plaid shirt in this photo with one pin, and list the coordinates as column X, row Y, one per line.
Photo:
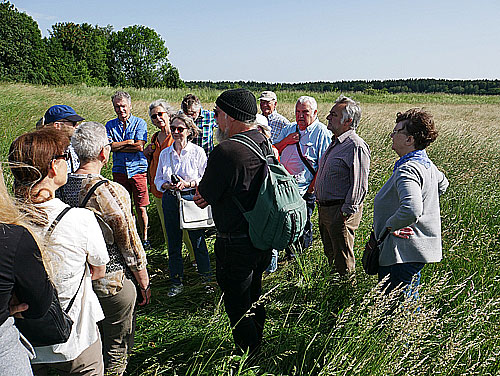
column 268, row 102
column 203, row 119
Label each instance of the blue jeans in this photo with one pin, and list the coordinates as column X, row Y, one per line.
column 273, row 266
column 407, row 275
column 174, row 234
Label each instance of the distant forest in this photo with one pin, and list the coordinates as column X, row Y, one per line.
column 417, row 85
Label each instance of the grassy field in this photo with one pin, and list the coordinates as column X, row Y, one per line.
column 318, row 324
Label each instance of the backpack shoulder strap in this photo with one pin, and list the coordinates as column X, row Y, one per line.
column 91, row 192
column 56, row 221
column 249, row 143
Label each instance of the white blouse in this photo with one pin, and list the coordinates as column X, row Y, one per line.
column 189, row 165
column 76, row 240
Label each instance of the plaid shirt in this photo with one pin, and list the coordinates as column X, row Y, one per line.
column 276, row 122
column 206, row 123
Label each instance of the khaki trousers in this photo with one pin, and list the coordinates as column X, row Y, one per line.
column 88, row 363
column 337, row 236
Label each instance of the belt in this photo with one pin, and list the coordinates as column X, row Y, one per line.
column 232, row 235
column 331, row 202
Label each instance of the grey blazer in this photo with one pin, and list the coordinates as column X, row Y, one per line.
column 410, row 198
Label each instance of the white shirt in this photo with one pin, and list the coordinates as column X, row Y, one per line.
column 189, row 165
column 76, row 240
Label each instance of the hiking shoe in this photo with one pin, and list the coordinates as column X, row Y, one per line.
column 175, row 290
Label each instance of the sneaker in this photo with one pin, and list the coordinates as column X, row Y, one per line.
column 146, row 245
column 175, row 290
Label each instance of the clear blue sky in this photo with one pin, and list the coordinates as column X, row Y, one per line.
column 297, row 41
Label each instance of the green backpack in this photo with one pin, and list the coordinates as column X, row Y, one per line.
column 279, row 215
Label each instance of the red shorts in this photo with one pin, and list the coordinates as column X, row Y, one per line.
column 137, row 186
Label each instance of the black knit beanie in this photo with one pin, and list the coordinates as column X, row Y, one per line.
column 240, row 104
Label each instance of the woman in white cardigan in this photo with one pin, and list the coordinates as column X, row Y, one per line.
column 407, row 206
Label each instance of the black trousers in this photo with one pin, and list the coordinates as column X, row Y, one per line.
column 239, row 274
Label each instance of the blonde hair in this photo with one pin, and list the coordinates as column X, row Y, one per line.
column 11, row 215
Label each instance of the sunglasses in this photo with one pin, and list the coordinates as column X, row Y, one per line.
column 177, row 129
column 64, row 156
column 158, row 114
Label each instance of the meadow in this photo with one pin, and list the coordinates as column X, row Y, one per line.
column 317, row 323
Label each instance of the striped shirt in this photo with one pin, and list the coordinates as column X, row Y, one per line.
column 276, row 122
column 343, row 172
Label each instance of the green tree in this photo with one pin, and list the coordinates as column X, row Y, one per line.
column 78, row 53
column 138, row 58
column 22, row 53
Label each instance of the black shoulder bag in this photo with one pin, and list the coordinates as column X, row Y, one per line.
column 372, row 252
column 55, row 326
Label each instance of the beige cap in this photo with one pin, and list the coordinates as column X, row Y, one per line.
column 268, row 96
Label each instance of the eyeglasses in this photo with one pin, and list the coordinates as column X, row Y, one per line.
column 158, row 114
column 395, row 131
column 177, row 129
column 64, row 156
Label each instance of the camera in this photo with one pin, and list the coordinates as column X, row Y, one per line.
column 174, row 179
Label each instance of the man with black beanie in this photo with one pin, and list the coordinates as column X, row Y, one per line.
column 234, row 171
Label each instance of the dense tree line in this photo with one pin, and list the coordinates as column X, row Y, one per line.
column 82, row 53
column 414, row 85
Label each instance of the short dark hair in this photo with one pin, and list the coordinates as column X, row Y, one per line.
column 189, row 101
column 419, row 124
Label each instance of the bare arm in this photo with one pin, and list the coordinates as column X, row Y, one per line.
column 128, row 146
column 97, row 272
column 142, row 279
column 291, row 139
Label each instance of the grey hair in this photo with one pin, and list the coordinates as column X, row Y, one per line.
column 161, row 103
column 88, row 140
column 193, row 129
column 310, row 100
column 352, row 110
column 120, row 95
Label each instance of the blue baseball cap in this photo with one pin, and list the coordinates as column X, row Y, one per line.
column 61, row 111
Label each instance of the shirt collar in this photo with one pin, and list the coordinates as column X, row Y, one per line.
column 345, row 135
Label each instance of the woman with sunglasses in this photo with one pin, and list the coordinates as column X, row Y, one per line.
column 160, row 112
column 180, row 168
column 76, row 251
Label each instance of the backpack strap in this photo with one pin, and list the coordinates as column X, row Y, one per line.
column 91, row 192
column 56, row 221
column 47, row 234
column 252, row 145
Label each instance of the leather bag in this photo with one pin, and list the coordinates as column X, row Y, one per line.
column 372, row 252
column 193, row 217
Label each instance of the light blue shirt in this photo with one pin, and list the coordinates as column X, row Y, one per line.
column 314, row 141
column 124, row 162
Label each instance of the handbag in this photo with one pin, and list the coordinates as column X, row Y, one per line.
column 55, row 326
column 372, row 253
column 193, row 217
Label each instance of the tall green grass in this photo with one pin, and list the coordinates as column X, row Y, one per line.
column 319, row 324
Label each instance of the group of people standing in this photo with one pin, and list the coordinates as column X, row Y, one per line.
column 96, row 253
